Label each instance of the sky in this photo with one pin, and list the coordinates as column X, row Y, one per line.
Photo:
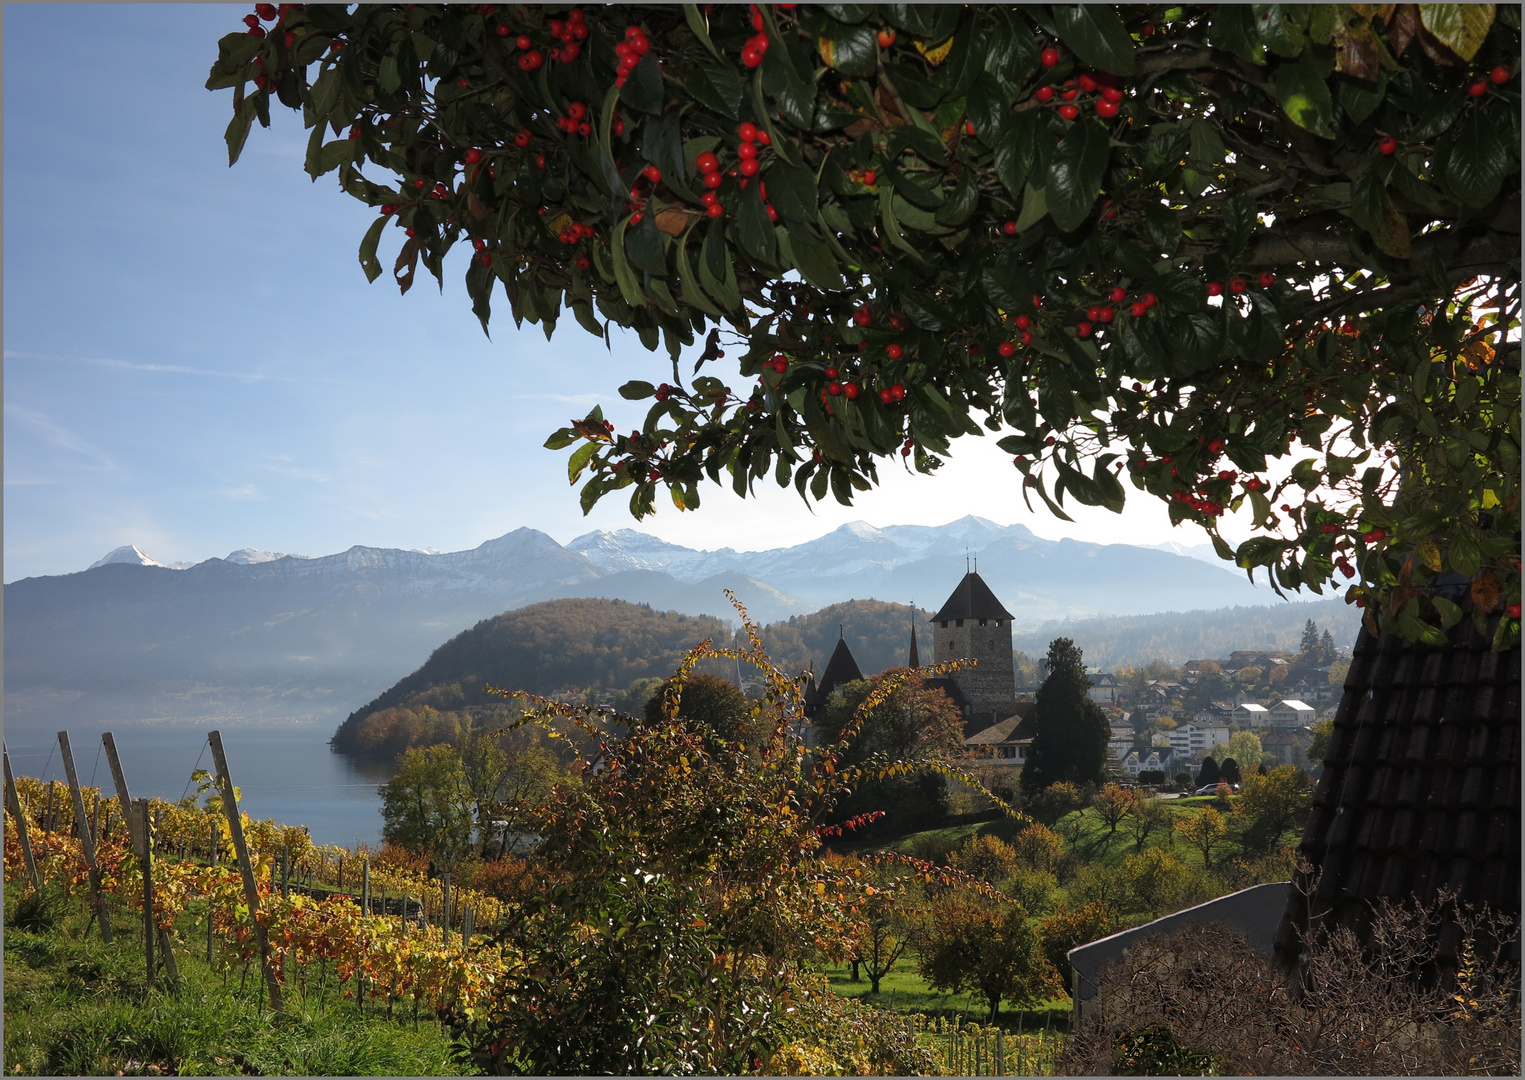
column 194, row 362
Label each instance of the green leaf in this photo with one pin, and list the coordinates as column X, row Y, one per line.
column 1097, row 34
column 792, row 191
column 579, row 460
column 851, row 50
column 643, row 86
column 815, row 260
column 1238, row 220
column 696, row 23
column 630, row 287
column 1304, row 95
column 1233, row 29
column 1464, row 556
column 368, row 261
column 1359, row 101
column 1207, row 149
column 1075, row 173
column 1282, row 27
column 644, row 245
column 1479, row 158
column 1450, row 614
column 1462, row 28
column 1373, row 211
column 635, row 390
column 754, row 229
column 961, row 204
column 1034, row 207
column 989, row 107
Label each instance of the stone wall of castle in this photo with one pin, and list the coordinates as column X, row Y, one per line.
column 991, row 685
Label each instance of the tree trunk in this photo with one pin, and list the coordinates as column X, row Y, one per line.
column 856, row 962
column 873, row 983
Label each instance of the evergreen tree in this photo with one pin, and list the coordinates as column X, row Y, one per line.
column 1210, row 773
column 1308, row 649
column 1326, row 648
column 1070, row 736
column 1231, row 771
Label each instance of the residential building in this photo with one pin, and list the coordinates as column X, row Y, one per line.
column 1252, row 716
column 1291, row 713
column 1214, row 715
column 1156, row 757
column 1104, row 688
column 1290, row 745
column 1007, row 742
column 1189, row 739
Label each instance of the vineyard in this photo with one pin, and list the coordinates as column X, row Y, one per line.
column 385, row 935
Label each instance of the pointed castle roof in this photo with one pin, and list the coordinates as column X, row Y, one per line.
column 914, row 660
column 840, row 669
column 972, row 600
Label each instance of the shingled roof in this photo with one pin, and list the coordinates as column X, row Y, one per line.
column 841, row 669
column 972, row 599
column 1420, row 793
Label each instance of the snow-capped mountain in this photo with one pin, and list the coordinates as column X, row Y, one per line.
column 132, row 555
column 249, row 556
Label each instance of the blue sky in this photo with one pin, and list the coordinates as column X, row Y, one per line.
column 194, row 361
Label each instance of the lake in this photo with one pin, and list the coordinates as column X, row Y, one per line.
column 283, row 770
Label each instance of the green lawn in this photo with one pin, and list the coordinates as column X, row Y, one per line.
column 904, row 991
column 74, row 1005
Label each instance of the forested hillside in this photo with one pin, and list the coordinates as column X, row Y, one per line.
column 1178, row 636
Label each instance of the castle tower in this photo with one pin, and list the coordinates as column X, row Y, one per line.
column 841, row 669
column 974, row 624
column 914, row 660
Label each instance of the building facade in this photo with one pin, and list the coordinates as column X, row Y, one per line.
column 974, row 624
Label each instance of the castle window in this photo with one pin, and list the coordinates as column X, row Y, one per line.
column 960, row 622
column 982, row 622
column 945, row 624
column 998, row 622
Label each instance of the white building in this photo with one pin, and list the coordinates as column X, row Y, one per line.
column 1189, row 739
column 1104, row 688
column 1161, row 758
column 1291, row 713
column 1252, row 716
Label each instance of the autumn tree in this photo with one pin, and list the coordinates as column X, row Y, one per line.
column 1145, row 818
column 1244, row 748
column 1053, row 802
column 1261, row 261
column 1270, row 805
column 986, row 857
column 1070, row 731
column 1204, row 830
column 710, row 705
column 970, row 943
column 427, row 804
column 1039, row 847
column 1113, row 803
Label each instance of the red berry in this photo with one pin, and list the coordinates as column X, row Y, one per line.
column 1010, row 228
column 1084, row 329
column 522, row 138
column 1087, row 84
column 1112, row 94
column 886, row 38
column 1388, row 146
column 851, row 389
column 1498, row 77
column 749, row 167
column 1237, row 285
column 1138, row 309
column 713, row 180
column 1069, row 112
column 772, row 213
column 1023, row 322
column 1150, row 299
column 708, row 162
column 1107, row 314
column 256, row 31
column 523, row 42
column 969, row 128
column 1106, row 109
column 485, row 259
column 1069, row 95
column 266, row 11
column 1094, row 313
column 1027, row 337
column 354, row 132
column 583, row 262
column 251, row 21
column 1044, row 93
column 1048, row 57
column 1267, row 279
column 652, row 173
column 531, row 60
column 291, row 38
column 747, row 150
column 1006, row 348
column 751, row 57
column 1478, row 88
column 473, row 156
column 748, row 132
column 894, row 352
column 1116, row 294
column 886, row 396
column 539, row 161
column 1214, row 288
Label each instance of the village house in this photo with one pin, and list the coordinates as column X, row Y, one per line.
column 1252, row 716
column 1289, row 745
column 1104, row 687
column 1189, row 739
column 1291, row 713
column 1161, row 758
column 1216, row 714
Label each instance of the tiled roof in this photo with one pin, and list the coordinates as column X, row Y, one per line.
column 972, row 599
column 840, row 669
column 1014, row 728
column 1420, row 793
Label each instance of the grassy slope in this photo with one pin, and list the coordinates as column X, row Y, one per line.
column 76, row 1006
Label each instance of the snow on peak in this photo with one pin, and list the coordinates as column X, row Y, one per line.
column 249, row 556
column 127, row 553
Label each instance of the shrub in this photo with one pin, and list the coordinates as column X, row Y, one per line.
column 1034, row 890
column 933, row 847
column 1039, row 847
column 987, row 857
column 1202, row 999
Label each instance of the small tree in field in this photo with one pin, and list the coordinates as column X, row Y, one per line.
column 1206, row 831
column 1039, row 847
column 1209, row 773
column 972, row 944
column 1113, row 803
column 1145, row 817
column 1055, row 801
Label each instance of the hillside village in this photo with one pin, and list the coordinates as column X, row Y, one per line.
column 1164, row 721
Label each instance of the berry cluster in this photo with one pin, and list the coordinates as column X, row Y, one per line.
column 575, row 233
column 1105, row 86
column 850, row 825
column 756, row 45
column 1238, row 285
column 1478, row 86
column 630, row 51
column 575, row 122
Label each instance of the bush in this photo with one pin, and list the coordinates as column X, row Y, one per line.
column 1202, row 999
column 1039, row 847
column 1151, row 776
column 1034, row 890
column 933, row 847
column 986, row 857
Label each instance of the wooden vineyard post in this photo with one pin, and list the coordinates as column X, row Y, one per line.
column 365, row 886
column 145, row 852
column 13, row 801
column 87, row 842
column 285, row 871
column 445, row 909
column 468, row 925
column 246, row 868
column 211, row 922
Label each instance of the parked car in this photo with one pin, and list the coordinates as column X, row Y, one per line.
column 1212, row 789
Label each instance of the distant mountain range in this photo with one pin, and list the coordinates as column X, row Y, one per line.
column 263, row 634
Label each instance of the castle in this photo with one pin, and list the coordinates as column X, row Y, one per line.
column 971, row 624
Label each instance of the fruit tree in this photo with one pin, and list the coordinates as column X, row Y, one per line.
column 1232, row 256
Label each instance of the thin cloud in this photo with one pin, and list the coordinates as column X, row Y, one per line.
column 245, row 493
column 127, row 365
column 58, row 435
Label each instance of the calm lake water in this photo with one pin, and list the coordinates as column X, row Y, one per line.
column 284, row 771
